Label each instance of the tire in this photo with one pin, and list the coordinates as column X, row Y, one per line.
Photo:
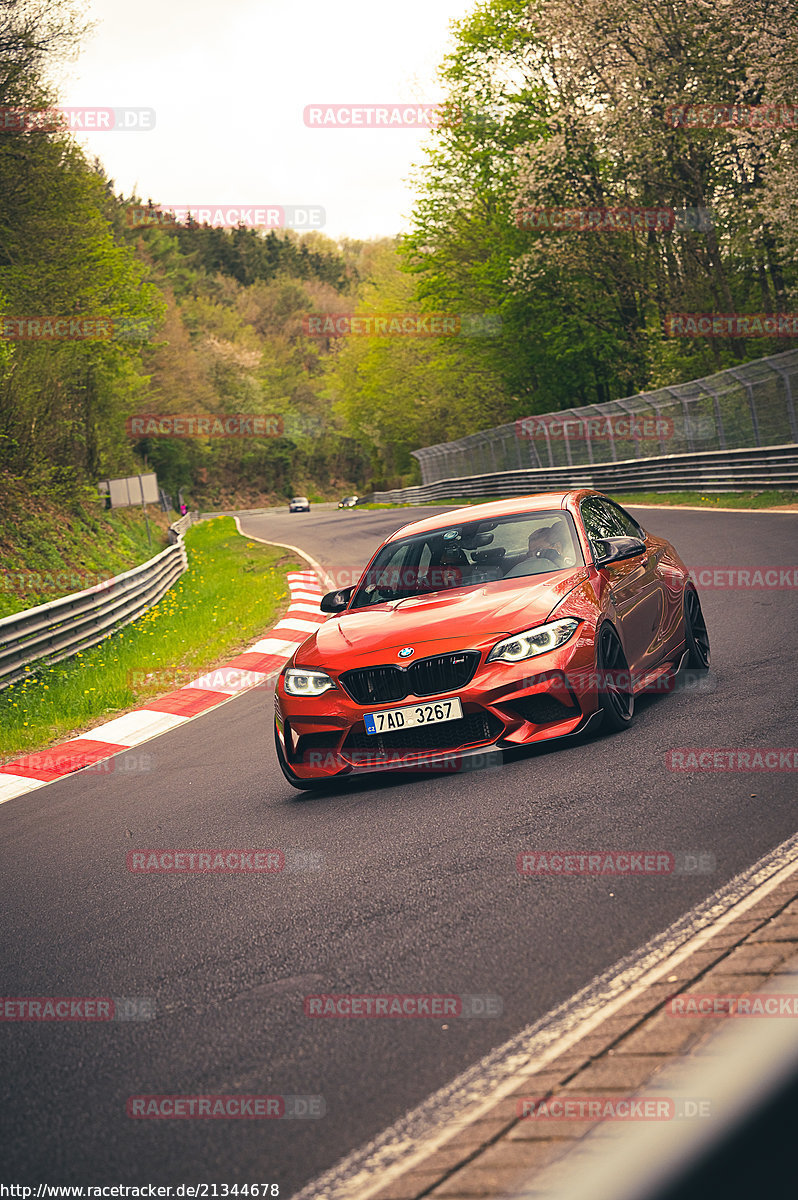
column 696, row 638
column 302, row 785
column 616, row 701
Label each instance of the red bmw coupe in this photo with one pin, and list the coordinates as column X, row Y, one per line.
column 487, row 628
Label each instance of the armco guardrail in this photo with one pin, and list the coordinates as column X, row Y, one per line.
column 56, row 630
column 717, row 471
column 747, row 407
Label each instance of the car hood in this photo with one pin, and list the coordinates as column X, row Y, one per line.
column 461, row 617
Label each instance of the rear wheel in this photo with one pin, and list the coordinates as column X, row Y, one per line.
column 616, row 698
column 696, row 638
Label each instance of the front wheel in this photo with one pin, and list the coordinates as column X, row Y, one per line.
column 696, row 638
column 616, row 698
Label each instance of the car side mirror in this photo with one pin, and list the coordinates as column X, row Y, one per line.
column 335, row 602
column 616, row 549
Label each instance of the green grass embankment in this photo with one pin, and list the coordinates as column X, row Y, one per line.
column 233, row 591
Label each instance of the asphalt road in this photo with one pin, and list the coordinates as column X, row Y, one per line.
column 416, row 891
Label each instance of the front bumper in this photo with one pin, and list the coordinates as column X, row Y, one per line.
column 505, row 705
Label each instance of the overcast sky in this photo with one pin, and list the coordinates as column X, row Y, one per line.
column 229, row 83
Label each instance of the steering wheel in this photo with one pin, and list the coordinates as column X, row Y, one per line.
column 552, row 555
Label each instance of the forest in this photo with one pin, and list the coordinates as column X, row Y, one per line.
column 532, row 255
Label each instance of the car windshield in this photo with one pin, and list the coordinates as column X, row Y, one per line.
column 470, row 553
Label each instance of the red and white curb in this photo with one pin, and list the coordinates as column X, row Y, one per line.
column 248, row 670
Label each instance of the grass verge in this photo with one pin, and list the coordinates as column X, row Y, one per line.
column 231, row 592
column 54, row 541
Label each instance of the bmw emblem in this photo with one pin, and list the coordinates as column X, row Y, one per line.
column 406, row 651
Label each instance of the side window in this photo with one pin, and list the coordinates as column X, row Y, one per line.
column 390, row 575
column 601, row 519
column 630, row 525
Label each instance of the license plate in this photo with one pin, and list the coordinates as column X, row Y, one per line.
column 389, row 719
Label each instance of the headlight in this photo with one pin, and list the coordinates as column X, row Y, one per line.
column 534, row 641
column 306, row 683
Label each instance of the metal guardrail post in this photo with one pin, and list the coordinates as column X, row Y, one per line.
column 719, row 430
column 547, row 435
column 588, row 443
column 658, row 407
column 611, row 438
column 518, row 455
column 787, row 394
column 567, row 443
column 687, row 420
column 631, row 413
column 749, row 387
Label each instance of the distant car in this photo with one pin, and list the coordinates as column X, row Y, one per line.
column 498, row 626
column 348, row 502
column 299, row 504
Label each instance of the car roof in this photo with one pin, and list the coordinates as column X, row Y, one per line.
column 495, row 508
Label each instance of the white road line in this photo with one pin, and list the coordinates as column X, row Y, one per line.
column 328, row 581
column 423, row 1130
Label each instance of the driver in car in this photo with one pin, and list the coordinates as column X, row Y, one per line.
column 547, row 542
